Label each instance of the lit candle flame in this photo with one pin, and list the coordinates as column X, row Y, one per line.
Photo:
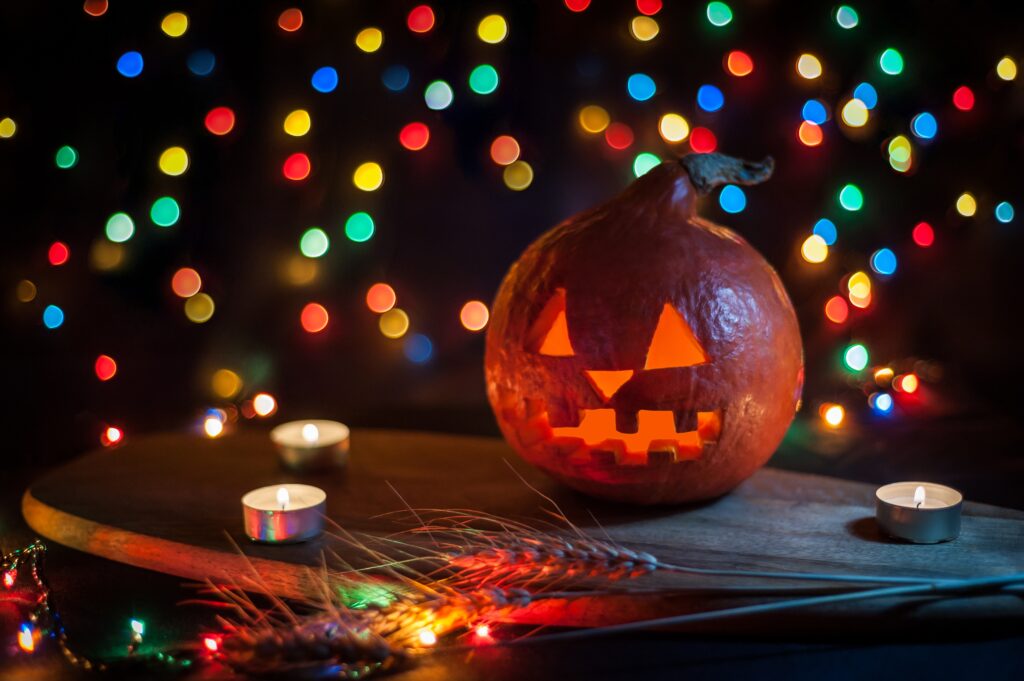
column 282, row 497
column 919, row 496
column 310, row 433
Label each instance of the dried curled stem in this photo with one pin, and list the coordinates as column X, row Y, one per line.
column 708, row 171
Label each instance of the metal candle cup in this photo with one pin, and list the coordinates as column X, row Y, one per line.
column 284, row 514
column 312, row 445
column 919, row 512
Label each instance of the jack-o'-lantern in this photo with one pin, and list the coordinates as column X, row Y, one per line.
column 641, row 353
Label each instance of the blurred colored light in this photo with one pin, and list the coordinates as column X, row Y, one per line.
column 883, row 376
column 298, row 270
column 648, row 7
column 393, row 323
column 418, row 348
column 826, row 229
column 96, row 8
column 846, row 17
column 474, row 315
column 264, row 404
column 370, row 39
column 810, row 134
column 836, row 310
column 438, row 95
column 173, row 161
column 859, row 288
column 368, row 176
column 710, row 98
column 808, row 66
column 427, row 637
column 492, row 29
column 380, row 298
column 111, row 436
column 643, row 163
column 643, row 28
column 577, row 5
column 518, row 175
column 963, row 98
column 814, row 249
column 395, row 78
column 66, row 157
column 1004, row 212
column 1006, row 69
column 703, row 141
column 325, row 79
column 186, row 282
column 359, row 227
column 25, row 291
column 201, row 62
column 673, row 127
column 732, row 199
column 290, row 20
column 297, row 123
column 225, row 383
column 199, row 308
column 213, row 427
column 314, row 242
column 504, row 150
column 175, row 24
column 165, row 211
column 883, row 261
column 719, row 13
column 851, row 198
column 854, row 113
column 26, row 638
column 420, row 19
column 907, row 383
column 106, row 255
column 924, row 125
column 923, row 234
column 618, row 136
column 855, row 357
column 641, row 87
column 130, row 64
column 53, row 316
column 220, row 121
column 210, row 643
column 880, row 402
column 814, row 111
column 482, row 631
column 966, row 205
column 297, row 167
column 7, row 128
column 414, row 136
column 891, row 61
column 314, row 318
column 483, row 80
column 593, row 119
column 832, row 414
column 120, row 228
column 739, row 63
column 867, row 94
column 900, row 149
column 58, row 253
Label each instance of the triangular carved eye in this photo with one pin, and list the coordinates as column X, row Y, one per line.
column 673, row 344
column 549, row 334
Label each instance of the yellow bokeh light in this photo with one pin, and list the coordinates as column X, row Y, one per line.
column 855, row 113
column 899, row 149
column 859, row 287
column 394, row 323
column 105, row 255
column 518, row 176
column 594, row 119
column 225, row 383
column 883, row 376
column 833, row 414
column 199, row 308
column 7, row 128
column 808, row 66
column 1006, row 68
column 966, row 205
column 213, row 426
column 174, row 161
column 492, row 29
column 25, row 291
column 369, row 176
column 297, row 123
column 814, row 249
column 264, row 404
column 643, row 28
column 175, row 24
column 673, row 127
column 298, row 270
column 370, row 39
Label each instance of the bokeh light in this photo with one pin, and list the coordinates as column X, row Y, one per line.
column 58, row 253
column 359, row 227
column 851, row 198
column 732, row 199
column 906, row 383
column 290, row 20
column 643, row 163
column 814, row 249
column 891, row 61
column 924, row 126
column 1004, row 212
column 165, row 212
column 593, row 119
column 380, row 298
column 810, row 134
column 66, row 157
column 966, row 205
column 120, row 228
column 518, row 176
column 846, row 17
column 881, row 403
column 186, row 282
column 175, row 24
column 855, row 113
column 369, row 176
column 648, row 7
column 826, row 229
column 739, row 63
column 923, row 234
column 225, row 383
column 25, row 291
column 641, row 87
column 297, row 167
column 130, row 64
column 220, row 121
column 264, row 404
column 719, row 13
column 703, row 141
column 314, row 318
column 814, row 111
column 836, row 310
column 421, row 19
column 297, row 123
column 643, row 28
column 859, row 289
column 418, row 348
column 414, row 136
column 96, row 8
column 483, row 80
column 314, row 242
column 393, row 323
column 199, row 308
column 855, row 357
column 438, row 95
column 504, row 150
column 673, row 128
column 324, row 79
column 111, row 436
column 577, row 5
column 867, row 94
column 808, row 66
column 1006, row 69
column 832, row 414
column 105, row 255
column 492, row 29
column 173, row 161
column 963, row 98
column 883, row 261
column 618, row 136
column 395, row 77
column 201, row 62
column 370, row 39
column 213, row 427
column 474, row 315
column 53, row 316
column 7, row 128
column 710, row 98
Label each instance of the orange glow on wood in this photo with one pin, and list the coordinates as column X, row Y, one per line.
column 550, row 333
column 607, row 383
column 674, row 344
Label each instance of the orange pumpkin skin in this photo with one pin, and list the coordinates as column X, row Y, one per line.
column 616, row 271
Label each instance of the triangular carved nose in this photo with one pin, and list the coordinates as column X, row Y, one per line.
column 607, row 383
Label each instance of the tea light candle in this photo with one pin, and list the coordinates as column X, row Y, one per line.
column 311, row 445
column 284, row 514
column 919, row 512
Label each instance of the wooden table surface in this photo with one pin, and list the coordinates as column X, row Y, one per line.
column 170, row 502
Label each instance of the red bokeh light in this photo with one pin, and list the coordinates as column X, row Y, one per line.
column 381, row 298
column 96, row 8
column 290, row 20
column 297, row 167
column 414, row 136
column 58, row 253
column 105, row 367
column 220, row 121
column 618, row 136
column 810, row 134
column 923, row 234
column 739, row 63
column 577, row 5
column 314, row 318
column 703, row 141
column 836, row 310
column 963, row 98
column 111, row 436
column 420, row 19
column 504, row 150
column 648, row 7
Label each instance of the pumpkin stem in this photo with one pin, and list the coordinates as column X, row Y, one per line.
column 708, row 171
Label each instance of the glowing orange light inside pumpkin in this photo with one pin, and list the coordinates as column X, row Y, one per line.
column 550, row 332
column 673, row 344
column 607, row 383
column 656, row 430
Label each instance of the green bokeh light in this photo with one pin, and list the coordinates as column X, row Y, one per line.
column 359, row 227
column 851, row 198
column 891, row 61
column 719, row 13
column 120, row 227
column 165, row 211
column 314, row 242
column 644, row 162
column 483, row 80
column 66, row 157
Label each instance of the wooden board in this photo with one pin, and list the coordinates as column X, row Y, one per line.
column 168, row 503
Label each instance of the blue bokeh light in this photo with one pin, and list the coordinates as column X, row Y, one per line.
column 418, row 348
column 395, row 78
column 53, row 316
column 201, row 62
column 814, row 111
column 641, row 87
column 710, row 98
column 866, row 93
column 826, row 229
column 732, row 199
column 325, row 79
column 129, row 64
column 924, row 125
column 1004, row 212
column 883, row 261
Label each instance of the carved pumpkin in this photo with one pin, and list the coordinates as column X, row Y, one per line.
column 640, row 353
